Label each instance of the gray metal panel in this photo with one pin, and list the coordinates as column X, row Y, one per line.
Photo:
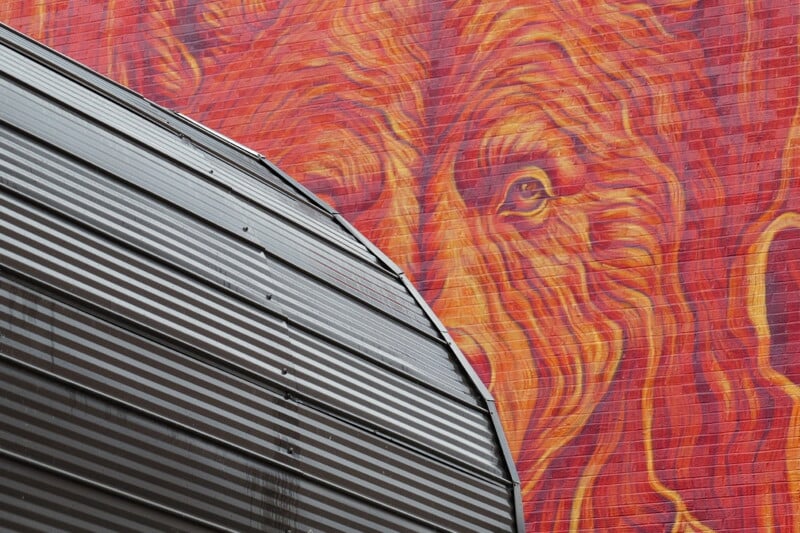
column 44, row 333
column 145, row 291
column 167, row 181
column 136, row 294
column 236, row 265
column 231, row 333
column 64, row 429
column 184, row 392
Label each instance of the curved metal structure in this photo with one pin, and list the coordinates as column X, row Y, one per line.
column 190, row 340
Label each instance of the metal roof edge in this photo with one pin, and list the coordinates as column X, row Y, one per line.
column 465, row 365
column 263, row 160
column 487, row 397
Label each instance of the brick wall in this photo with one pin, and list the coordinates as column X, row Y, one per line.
column 600, row 200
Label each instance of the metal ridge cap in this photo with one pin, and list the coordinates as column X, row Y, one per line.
column 303, row 192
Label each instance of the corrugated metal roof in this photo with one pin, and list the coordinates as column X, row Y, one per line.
column 190, row 338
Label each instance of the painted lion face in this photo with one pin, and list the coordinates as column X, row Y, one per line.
column 550, row 252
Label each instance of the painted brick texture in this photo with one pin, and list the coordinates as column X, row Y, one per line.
column 599, row 199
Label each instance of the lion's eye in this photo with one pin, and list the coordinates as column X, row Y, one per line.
column 526, row 195
column 529, row 189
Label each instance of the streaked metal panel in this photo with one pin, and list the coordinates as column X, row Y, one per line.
column 64, row 429
column 243, row 414
column 36, row 498
column 45, row 333
column 191, row 324
column 145, row 293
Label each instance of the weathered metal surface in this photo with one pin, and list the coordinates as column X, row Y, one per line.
column 190, row 340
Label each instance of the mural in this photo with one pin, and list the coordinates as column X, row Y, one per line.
column 600, row 199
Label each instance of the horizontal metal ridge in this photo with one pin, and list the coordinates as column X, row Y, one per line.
column 180, row 266
column 79, row 190
column 66, row 474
